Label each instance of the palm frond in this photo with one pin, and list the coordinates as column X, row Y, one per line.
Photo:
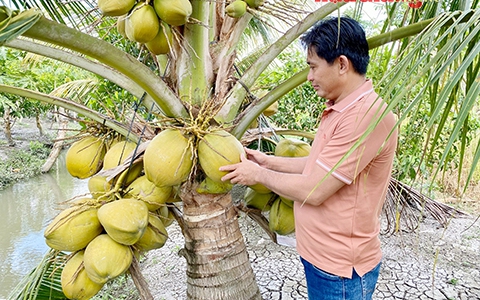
column 43, row 282
column 76, row 14
column 405, row 207
column 430, row 79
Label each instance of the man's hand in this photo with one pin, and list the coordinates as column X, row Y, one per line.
column 245, row 171
column 258, row 157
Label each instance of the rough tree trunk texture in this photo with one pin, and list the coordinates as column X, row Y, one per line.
column 218, row 267
column 57, row 146
column 8, row 127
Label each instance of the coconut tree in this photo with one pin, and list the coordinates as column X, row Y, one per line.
column 197, row 88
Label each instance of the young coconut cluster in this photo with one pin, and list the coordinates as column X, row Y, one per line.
column 171, row 157
column 238, row 8
column 126, row 216
column 148, row 22
column 280, row 210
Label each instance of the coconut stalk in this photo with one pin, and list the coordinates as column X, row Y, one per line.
column 195, row 67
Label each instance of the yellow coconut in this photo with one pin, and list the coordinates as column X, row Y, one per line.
column 145, row 190
column 173, row 12
column 85, row 157
column 292, row 148
column 168, row 158
column 98, row 186
column 75, row 282
column 162, row 41
column 155, row 235
column 73, row 229
column 117, row 154
column 115, row 7
column 236, row 9
column 142, row 24
column 106, row 259
column 124, row 220
column 281, row 218
column 217, row 149
column 258, row 200
column 208, row 186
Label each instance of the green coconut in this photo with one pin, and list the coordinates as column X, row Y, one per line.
column 260, row 188
column 255, row 3
column 145, row 190
column 73, row 228
column 166, row 216
column 258, row 200
column 115, row 7
column 117, row 154
column 208, row 186
column 271, row 110
column 84, row 158
column 162, row 42
column 236, row 9
column 105, row 259
column 287, row 201
column 155, row 235
column 74, row 279
column 124, row 220
column 217, row 149
column 142, row 24
column 173, row 12
column 281, row 218
column 121, row 25
column 98, row 186
column 168, row 158
column 292, row 148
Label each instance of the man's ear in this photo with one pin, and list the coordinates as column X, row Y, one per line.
column 344, row 64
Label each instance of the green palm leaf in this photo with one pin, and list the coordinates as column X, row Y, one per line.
column 43, row 283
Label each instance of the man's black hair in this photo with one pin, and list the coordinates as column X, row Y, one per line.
column 325, row 39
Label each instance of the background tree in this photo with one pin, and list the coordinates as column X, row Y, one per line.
column 197, row 87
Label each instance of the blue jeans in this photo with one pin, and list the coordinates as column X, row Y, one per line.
column 325, row 286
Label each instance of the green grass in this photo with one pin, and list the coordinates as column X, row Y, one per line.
column 23, row 164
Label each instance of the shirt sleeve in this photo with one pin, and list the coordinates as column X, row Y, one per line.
column 349, row 130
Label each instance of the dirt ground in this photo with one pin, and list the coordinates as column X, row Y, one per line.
column 433, row 262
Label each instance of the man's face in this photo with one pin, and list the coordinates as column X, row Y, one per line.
column 323, row 76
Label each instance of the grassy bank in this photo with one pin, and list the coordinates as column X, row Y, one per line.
column 23, row 163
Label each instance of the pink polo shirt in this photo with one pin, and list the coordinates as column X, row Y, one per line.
column 342, row 233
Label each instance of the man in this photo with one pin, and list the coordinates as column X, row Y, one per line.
column 339, row 189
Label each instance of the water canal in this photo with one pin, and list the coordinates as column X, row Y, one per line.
column 25, row 210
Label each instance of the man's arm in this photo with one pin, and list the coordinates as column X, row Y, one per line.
column 313, row 188
column 277, row 163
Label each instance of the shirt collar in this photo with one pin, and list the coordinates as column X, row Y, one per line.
column 365, row 89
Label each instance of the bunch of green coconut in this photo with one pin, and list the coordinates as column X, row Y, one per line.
column 280, row 209
column 127, row 214
column 149, row 22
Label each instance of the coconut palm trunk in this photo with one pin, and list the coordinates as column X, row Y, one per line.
column 218, row 266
